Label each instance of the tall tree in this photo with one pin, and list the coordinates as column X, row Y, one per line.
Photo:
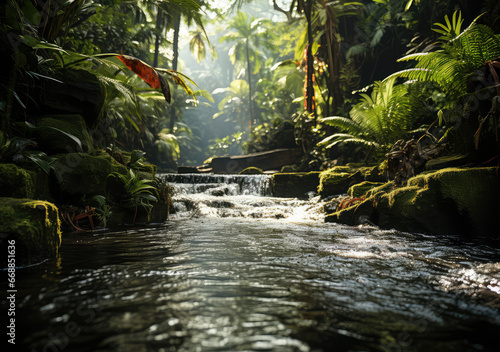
column 247, row 36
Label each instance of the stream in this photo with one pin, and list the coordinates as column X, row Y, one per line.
column 236, row 269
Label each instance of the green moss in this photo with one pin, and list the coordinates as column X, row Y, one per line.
column 448, row 201
column 289, row 168
column 251, row 171
column 474, row 191
column 351, row 168
column 78, row 173
column 146, row 168
column 446, row 162
column 361, row 189
column 332, row 182
column 383, row 188
column 56, row 142
column 16, row 182
column 296, row 184
column 375, row 174
column 34, row 225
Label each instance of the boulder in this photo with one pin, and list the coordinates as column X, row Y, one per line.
column 53, row 142
column 77, row 174
column 269, row 160
column 448, row 201
column 74, row 92
column 296, row 184
column 446, row 161
column 17, row 182
column 332, row 182
column 34, row 226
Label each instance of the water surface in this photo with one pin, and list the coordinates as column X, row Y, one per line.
column 238, row 271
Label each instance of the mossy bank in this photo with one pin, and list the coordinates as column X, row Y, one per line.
column 451, row 201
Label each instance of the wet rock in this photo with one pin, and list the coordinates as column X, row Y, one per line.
column 34, row 226
column 188, row 170
column 251, row 171
column 220, row 204
column 297, row 184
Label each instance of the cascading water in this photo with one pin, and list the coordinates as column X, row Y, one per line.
column 237, row 196
column 239, row 270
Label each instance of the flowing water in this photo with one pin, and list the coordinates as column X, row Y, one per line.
column 238, row 270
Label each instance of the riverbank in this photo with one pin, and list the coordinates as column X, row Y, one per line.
column 450, row 201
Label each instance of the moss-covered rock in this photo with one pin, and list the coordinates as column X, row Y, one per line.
column 146, row 168
column 449, row 201
column 375, row 174
column 251, row 171
column 77, row 174
column 290, row 168
column 475, row 193
column 332, row 182
column 52, row 141
column 80, row 92
column 16, row 182
column 35, row 227
column 295, row 184
column 357, row 214
column 446, row 162
column 361, row 189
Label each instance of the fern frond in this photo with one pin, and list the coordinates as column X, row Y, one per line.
column 342, row 123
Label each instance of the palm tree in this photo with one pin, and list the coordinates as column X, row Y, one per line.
column 232, row 105
column 168, row 16
column 198, row 45
column 247, row 37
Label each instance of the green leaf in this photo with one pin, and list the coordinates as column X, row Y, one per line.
column 40, row 159
column 72, row 137
column 205, row 94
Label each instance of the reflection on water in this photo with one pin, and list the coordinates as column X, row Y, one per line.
column 209, row 283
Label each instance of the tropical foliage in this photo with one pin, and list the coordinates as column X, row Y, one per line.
column 287, row 66
column 378, row 120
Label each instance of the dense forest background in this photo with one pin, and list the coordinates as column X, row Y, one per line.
column 344, row 81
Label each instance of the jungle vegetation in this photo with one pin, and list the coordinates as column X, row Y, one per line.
column 343, row 80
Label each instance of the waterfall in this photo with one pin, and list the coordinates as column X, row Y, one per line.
column 257, row 185
column 247, row 196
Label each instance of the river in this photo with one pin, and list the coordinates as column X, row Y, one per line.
column 238, row 270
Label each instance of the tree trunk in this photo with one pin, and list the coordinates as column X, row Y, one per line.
column 249, row 77
column 309, row 60
column 177, row 25
column 158, row 37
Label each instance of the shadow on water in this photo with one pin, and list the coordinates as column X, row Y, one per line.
column 238, row 282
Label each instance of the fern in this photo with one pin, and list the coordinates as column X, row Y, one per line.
column 452, row 66
column 378, row 120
